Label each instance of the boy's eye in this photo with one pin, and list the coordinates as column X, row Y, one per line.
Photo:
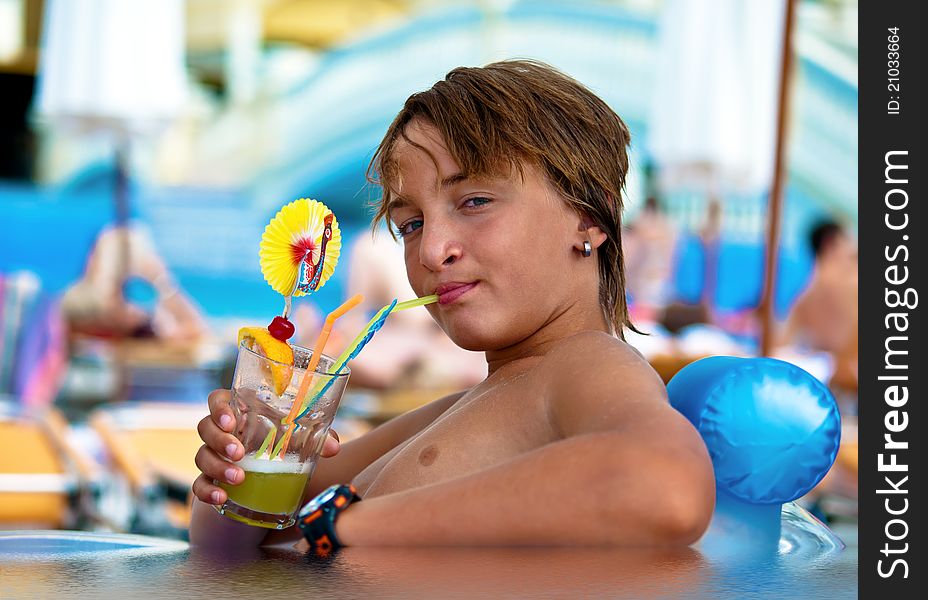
column 408, row 227
column 477, row 201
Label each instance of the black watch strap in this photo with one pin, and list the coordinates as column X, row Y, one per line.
column 317, row 518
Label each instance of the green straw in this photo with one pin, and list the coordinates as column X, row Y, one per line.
column 280, row 444
column 416, row 302
column 267, row 442
column 343, row 357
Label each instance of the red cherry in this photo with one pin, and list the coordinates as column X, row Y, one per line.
column 281, row 328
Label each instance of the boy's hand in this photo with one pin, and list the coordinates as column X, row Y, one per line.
column 220, row 447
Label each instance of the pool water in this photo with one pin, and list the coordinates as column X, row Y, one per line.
column 80, row 565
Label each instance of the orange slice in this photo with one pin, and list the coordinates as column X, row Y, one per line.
column 262, row 342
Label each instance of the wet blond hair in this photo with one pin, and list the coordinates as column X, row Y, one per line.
column 519, row 111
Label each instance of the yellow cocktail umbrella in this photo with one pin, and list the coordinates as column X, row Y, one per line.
column 303, row 234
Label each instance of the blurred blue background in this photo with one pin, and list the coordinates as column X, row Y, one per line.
column 305, row 116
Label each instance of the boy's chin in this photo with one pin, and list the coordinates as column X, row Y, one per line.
column 479, row 330
column 469, row 341
column 479, row 338
column 473, row 337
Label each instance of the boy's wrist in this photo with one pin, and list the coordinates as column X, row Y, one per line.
column 378, row 521
column 349, row 524
column 319, row 517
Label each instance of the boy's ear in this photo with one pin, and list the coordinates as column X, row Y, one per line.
column 587, row 227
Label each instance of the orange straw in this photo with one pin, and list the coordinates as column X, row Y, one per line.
column 314, row 362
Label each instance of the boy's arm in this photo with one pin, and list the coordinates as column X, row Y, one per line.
column 629, row 470
column 357, row 454
column 207, row 527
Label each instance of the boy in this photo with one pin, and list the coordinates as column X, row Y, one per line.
column 505, row 184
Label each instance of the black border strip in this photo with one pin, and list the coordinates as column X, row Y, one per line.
column 892, row 272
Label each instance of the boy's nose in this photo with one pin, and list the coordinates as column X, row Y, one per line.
column 439, row 250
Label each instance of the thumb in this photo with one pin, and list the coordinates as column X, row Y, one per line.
column 331, row 446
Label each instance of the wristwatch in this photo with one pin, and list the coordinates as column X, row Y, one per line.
column 317, row 517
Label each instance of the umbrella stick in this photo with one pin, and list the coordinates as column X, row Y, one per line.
column 774, row 204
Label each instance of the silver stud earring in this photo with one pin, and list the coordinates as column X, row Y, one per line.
column 587, row 249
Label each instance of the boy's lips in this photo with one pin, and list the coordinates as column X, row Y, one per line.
column 449, row 292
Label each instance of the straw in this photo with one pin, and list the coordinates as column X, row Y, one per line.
column 280, row 447
column 268, row 440
column 314, row 362
column 321, row 342
column 417, row 302
column 361, row 340
column 350, row 352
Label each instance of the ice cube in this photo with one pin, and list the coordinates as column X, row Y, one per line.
column 265, row 393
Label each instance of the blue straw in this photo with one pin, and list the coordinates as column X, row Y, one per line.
column 374, row 328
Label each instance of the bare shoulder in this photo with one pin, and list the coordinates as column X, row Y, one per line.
column 598, row 342
column 593, row 358
column 596, row 381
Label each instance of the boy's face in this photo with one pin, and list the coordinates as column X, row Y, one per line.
column 499, row 251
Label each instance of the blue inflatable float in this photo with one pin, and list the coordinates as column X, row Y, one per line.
column 772, row 431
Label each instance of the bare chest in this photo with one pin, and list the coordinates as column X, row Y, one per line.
column 481, row 430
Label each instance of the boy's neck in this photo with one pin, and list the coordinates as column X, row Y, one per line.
column 522, row 353
column 537, row 345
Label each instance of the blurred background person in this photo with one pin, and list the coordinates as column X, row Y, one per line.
column 97, row 303
column 824, row 317
column 650, row 245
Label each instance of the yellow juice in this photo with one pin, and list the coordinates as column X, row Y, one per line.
column 272, row 487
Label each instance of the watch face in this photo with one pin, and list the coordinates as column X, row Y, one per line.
column 318, row 501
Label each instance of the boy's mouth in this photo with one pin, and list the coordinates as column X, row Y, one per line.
column 449, row 292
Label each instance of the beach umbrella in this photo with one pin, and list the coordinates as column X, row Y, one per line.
column 112, row 68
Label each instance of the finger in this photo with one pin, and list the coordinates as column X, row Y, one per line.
column 204, row 489
column 331, row 446
column 215, row 467
column 220, row 441
column 220, row 410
